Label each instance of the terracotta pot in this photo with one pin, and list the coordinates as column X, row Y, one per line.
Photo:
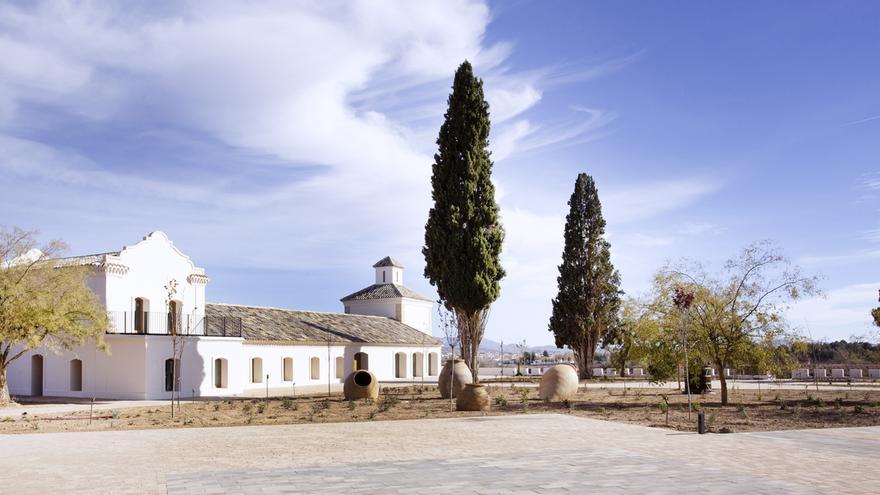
column 361, row 385
column 458, row 374
column 474, row 397
column 559, row 383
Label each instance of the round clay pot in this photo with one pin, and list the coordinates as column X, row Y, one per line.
column 458, row 374
column 361, row 385
column 559, row 383
column 474, row 397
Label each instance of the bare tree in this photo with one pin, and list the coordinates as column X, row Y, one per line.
column 449, row 326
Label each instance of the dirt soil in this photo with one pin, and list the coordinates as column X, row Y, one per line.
column 749, row 410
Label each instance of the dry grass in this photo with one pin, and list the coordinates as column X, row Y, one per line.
column 748, row 411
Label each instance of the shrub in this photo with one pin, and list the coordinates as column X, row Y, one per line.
column 664, row 406
column 246, row 408
column 500, row 400
column 216, row 407
column 288, row 404
column 838, row 403
column 351, row 405
column 261, row 407
column 858, row 409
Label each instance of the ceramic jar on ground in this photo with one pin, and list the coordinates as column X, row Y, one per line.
column 474, row 397
column 559, row 383
column 456, row 373
column 361, row 385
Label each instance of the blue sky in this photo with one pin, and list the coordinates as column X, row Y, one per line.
column 286, row 147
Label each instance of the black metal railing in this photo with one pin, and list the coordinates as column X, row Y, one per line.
column 161, row 323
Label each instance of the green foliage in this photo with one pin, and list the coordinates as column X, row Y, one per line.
column 585, row 308
column 501, row 401
column 875, row 313
column 463, row 235
column 44, row 302
column 288, row 404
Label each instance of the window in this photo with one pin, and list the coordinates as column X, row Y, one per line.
column 361, row 361
column 418, row 364
column 340, row 367
column 287, row 368
column 400, row 365
column 172, row 375
column 316, row 369
column 174, row 318
column 141, row 306
column 433, row 362
column 220, row 373
column 256, row 370
column 76, row 375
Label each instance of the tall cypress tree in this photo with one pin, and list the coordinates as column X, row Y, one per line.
column 585, row 310
column 463, row 235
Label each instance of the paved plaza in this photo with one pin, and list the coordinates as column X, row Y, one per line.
column 507, row 454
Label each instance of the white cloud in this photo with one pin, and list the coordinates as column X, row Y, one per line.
column 654, row 198
column 838, row 314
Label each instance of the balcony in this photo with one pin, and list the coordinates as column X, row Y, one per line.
column 161, row 323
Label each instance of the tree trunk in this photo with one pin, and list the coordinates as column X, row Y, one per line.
column 723, row 383
column 472, row 324
column 4, row 389
column 584, row 360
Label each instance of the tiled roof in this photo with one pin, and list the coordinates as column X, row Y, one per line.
column 304, row 327
column 384, row 291
column 88, row 259
column 387, row 261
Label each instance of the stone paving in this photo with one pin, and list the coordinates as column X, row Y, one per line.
column 540, row 453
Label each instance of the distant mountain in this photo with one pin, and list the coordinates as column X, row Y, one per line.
column 488, row 345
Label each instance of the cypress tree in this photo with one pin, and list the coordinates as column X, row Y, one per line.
column 585, row 309
column 463, row 235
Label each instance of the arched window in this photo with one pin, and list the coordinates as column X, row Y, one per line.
column 256, row 370
column 221, row 373
column 418, row 364
column 76, row 375
column 172, row 375
column 37, row 375
column 400, row 365
column 141, row 308
column 315, row 368
column 361, row 361
column 287, row 368
column 175, row 318
column 433, row 362
column 340, row 367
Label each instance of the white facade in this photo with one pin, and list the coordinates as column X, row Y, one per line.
column 132, row 284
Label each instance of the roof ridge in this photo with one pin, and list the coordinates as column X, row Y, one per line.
column 297, row 310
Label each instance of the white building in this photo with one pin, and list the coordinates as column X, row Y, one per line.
column 224, row 349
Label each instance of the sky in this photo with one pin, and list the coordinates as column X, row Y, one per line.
column 287, row 146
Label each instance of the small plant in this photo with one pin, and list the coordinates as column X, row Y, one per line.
column 858, row 409
column 740, row 407
column 261, row 408
column 820, row 402
column 216, row 407
column 288, row 404
column 246, row 408
column 711, row 419
column 372, row 415
column 351, row 405
column 388, row 402
column 783, row 406
column 501, row 401
column 664, row 407
column 567, row 404
column 697, row 406
column 838, row 403
column 797, row 411
column 524, row 398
